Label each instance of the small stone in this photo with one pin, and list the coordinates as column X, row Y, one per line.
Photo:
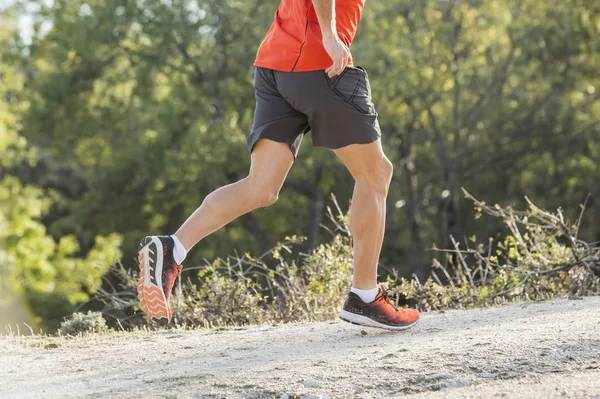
column 363, row 332
column 439, row 376
column 284, row 396
column 311, row 396
column 311, row 384
column 457, row 384
column 487, row 374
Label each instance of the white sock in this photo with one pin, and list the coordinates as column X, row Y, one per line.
column 179, row 252
column 367, row 296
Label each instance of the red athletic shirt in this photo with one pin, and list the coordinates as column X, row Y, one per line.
column 294, row 42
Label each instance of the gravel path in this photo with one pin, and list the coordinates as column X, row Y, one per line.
column 535, row 350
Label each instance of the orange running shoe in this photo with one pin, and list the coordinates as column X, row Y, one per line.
column 158, row 272
column 380, row 313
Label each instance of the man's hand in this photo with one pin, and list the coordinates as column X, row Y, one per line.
column 338, row 52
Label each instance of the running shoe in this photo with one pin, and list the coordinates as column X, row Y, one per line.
column 158, row 272
column 380, row 313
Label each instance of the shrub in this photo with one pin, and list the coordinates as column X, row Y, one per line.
column 278, row 286
column 245, row 290
column 83, row 323
column 542, row 257
column 49, row 275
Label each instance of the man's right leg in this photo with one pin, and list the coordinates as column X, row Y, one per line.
column 270, row 164
column 343, row 118
column 372, row 172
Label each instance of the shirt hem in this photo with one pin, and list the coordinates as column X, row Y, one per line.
column 301, row 68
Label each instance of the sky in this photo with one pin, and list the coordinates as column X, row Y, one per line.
column 25, row 17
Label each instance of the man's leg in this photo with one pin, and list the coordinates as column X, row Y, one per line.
column 157, row 255
column 270, row 164
column 372, row 172
column 343, row 117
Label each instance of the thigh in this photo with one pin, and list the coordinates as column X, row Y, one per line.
column 339, row 110
column 365, row 161
column 270, row 163
column 274, row 118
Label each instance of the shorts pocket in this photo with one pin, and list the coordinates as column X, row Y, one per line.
column 352, row 86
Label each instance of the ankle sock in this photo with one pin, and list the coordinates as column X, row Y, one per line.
column 179, row 252
column 367, row 296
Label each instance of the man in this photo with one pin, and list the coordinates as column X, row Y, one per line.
column 305, row 80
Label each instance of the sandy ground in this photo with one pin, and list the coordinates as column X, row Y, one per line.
column 535, row 350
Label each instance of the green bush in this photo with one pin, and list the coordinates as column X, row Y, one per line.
column 84, row 323
column 40, row 272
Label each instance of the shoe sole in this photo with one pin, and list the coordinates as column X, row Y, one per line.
column 367, row 322
column 150, row 291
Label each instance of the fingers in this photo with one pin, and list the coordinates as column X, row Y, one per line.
column 339, row 54
column 335, row 69
column 339, row 64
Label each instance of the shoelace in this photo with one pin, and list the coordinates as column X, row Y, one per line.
column 385, row 297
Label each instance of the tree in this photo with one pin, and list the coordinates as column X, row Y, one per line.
column 137, row 110
column 44, row 275
column 498, row 97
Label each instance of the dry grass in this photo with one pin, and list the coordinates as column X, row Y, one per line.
column 542, row 257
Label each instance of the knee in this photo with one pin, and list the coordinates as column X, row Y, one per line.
column 379, row 176
column 387, row 172
column 261, row 196
column 267, row 198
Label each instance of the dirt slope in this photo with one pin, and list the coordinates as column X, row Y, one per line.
column 535, row 350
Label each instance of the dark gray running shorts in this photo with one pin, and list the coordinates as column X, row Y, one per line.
column 337, row 111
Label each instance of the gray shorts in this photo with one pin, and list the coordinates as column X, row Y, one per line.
column 337, row 111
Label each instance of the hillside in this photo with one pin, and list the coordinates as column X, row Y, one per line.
column 532, row 350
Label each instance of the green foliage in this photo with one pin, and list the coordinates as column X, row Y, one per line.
column 50, row 275
column 498, row 97
column 155, row 102
column 122, row 116
column 83, row 323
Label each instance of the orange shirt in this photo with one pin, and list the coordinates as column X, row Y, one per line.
column 294, row 42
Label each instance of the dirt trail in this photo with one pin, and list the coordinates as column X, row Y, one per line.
column 535, row 350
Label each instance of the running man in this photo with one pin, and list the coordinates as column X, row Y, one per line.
column 305, row 80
